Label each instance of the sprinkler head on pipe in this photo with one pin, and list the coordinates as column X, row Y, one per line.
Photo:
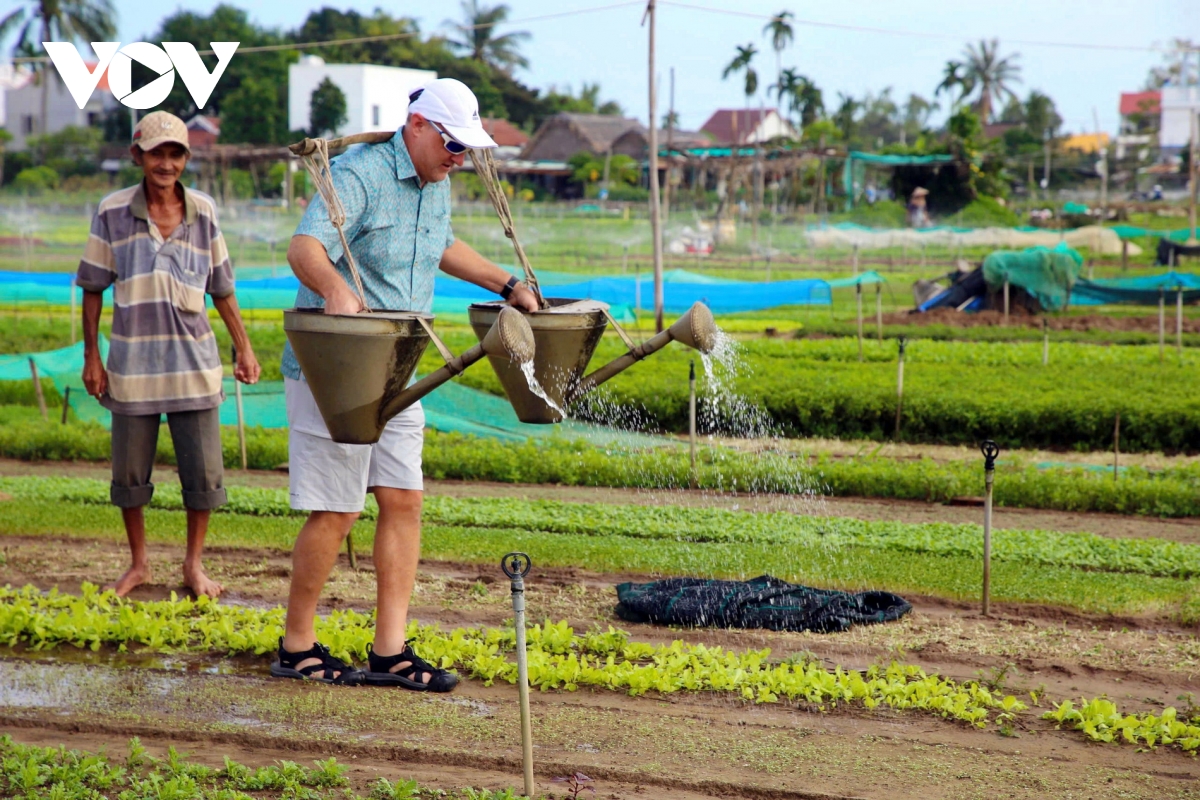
column 510, row 336
column 990, row 451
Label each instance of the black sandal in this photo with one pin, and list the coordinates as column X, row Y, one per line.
column 285, row 667
column 379, row 672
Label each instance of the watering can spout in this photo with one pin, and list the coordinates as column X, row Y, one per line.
column 510, row 338
column 358, row 366
column 697, row 329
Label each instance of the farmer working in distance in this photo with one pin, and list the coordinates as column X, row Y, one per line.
column 397, row 203
column 158, row 245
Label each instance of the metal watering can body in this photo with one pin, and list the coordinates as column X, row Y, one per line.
column 359, row 366
column 566, row 336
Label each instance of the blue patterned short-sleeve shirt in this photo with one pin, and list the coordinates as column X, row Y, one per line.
column 396, row 228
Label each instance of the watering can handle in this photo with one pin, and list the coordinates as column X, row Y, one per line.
column 445, row 352
column 620, row 331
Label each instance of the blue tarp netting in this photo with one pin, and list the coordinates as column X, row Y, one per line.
column 623, row 292
column 1140, row 291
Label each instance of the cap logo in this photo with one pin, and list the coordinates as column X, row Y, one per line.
column 475, row 114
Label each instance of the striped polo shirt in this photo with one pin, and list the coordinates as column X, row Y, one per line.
column 162, row 354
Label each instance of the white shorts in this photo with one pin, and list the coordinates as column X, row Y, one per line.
column 327, row 476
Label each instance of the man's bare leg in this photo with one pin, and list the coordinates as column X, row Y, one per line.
column 313, row 557
column 139, row 569
column 397, row 551
column 194, row 576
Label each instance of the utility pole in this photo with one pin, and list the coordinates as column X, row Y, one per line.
column 655, row 208
column 1046, row 164
column 666, row 204
column 1193, row 176
column 1102, row 168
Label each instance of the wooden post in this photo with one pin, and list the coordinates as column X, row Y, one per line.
column 859, row 312
column 879, row 311
column 37, row 388
column 73, row 320
column 899, row 388
column 1179, row 321
column 1116, row 445
column 1162, row 325
column 1006, row 302
column 655, row 200
column 692, row 422
column 1124, row 254
column 66, row 404
column 1045, row 342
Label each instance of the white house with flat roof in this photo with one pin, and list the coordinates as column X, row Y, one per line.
column 21, row 105
column 1179, row 104
column 376, row 97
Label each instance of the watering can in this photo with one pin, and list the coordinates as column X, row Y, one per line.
column 358, row 366
column 565, row 336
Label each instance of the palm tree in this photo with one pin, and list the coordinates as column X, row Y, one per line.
column 780, row 28
column 742, row 63
column 991, row 74
column 58, row 21
column 786, row 86
column 479, row 40
column 955, row 80
column 809, row 100
column 844, row 117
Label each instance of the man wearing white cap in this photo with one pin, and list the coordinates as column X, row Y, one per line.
column 397, row 204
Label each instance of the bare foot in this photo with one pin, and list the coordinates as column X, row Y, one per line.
column 134, row 577
column 195, row 579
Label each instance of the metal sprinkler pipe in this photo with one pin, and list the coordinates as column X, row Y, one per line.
column 990, row 452
column 516, row 566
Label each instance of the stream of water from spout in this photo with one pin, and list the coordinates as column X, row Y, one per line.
column 536, row 388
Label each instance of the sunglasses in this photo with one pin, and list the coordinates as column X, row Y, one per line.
column 452, row 145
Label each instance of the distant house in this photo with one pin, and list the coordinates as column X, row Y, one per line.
column 1086, row 143
column 1140, row 111
column 23, row 106
column 376, row 97
column 203, row 131
column 510, row 140
column 1179, row 105
column 563, row 135
column 728, row 126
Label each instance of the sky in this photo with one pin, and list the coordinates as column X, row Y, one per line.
column 610, row 46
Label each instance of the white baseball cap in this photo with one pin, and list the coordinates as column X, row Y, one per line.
column 452, row 105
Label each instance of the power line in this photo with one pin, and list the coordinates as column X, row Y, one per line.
column 268, row 48
column 897, row 32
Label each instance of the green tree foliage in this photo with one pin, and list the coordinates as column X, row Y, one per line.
column 1035, row 118
column 846, row 116
column 587, row 102
column 802, row 96
column 983, row 68
column 252, row 114
column 478, row 40
column 743, row 62
column 588, row 168
column 71, row 151
column 228, row 23
column 327, row 109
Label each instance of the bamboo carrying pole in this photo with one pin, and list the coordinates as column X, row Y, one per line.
column 516, row 566
column 692, row 420
column 37, row 388
column 899, row 388
column 990, row 451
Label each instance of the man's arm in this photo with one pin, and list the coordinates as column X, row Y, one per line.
column 313, row 268
column 246, row 369
column 95, row 378
column 461, row 261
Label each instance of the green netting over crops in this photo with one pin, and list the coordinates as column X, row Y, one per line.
column 451, row 408
column 1046, row 274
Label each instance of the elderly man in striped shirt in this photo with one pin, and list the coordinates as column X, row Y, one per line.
column 158, row 245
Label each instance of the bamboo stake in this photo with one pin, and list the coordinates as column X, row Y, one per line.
column 66, row 404
column 73, row 320
column 1045, row 342
column 1162, row 325
column 859, row 313
column 1179, row 321
column 37, row 388
column 1116, row 445
column 879, row 311
column 241, row 419
column 899, row 388
column 1006, row 302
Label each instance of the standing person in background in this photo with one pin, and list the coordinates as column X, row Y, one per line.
column 918, row 217
column 158, row 245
